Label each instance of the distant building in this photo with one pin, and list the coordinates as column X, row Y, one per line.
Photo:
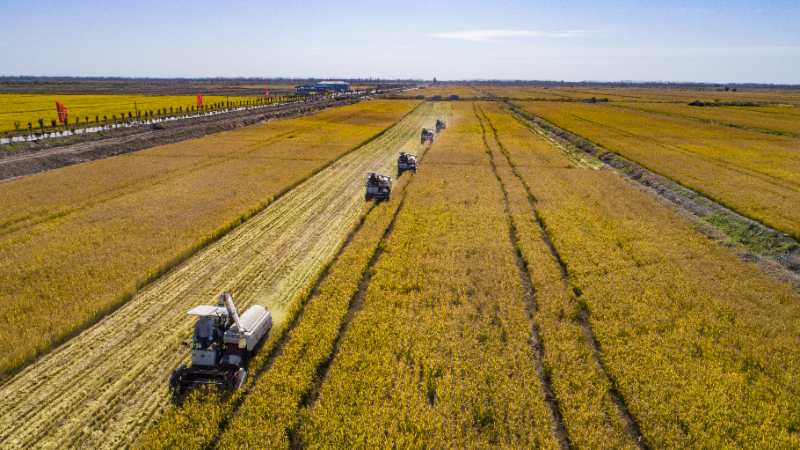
column 323, row 87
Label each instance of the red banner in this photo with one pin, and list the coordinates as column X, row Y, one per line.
column 63, row 112
column 200, row 101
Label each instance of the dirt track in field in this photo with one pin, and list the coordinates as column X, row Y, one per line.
column 104, row 387
column 50, row 154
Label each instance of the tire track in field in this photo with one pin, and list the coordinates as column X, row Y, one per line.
column 631, row 424
column 102, row 388
column 537, row 346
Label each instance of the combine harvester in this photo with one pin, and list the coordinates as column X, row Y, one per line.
column 379, row 187
column 440, row 125
column 222, row 345
column 406, row 161
column 426, row 136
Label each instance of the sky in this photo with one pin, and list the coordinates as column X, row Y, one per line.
column 701, row 41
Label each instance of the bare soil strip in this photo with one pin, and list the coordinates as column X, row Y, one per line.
column 537, row 346
column 631, row 424
column 39, row 157
column 102, row 388
column 778, row 252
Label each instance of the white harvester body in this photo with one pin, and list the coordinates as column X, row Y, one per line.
column 222, row 344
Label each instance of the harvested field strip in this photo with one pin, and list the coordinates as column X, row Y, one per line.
column 82, row 239
column 749, row 172
column 583, row 386
column 692, row 336
column 105, row 386
column 194, row 426
column 439, row 354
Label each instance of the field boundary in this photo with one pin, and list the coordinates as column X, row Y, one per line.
column 778, row 253
column 631, row 424
column 183, row 256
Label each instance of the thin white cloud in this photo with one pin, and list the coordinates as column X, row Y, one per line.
column 491, row 35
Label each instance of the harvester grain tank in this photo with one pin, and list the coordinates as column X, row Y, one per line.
column 222, row 344
column 426, row 136
column 379, row 187
column 406, row 161
column 440, row 125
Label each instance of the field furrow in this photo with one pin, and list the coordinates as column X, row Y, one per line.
column 101, row 388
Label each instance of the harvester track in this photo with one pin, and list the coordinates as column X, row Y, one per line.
column 102, row 388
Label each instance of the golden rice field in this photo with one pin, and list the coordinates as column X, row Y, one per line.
column 81, row 239
column 511, row 294
column 781, row 119
column 755, row 173
column 692, row 336
column 16, row 110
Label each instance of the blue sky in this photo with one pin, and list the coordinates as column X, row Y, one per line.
column 730, row 41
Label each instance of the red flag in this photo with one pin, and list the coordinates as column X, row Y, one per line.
column 200, row 101
column 63, row 112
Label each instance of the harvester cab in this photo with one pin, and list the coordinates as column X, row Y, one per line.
column 406, row 161
column 440, row 125
column 379, row 187
column 222, row 345
column 426, row 136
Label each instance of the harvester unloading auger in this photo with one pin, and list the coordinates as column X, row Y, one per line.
column 222, row 344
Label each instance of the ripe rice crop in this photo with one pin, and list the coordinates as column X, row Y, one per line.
column 756, row 174
column 439, row 354
column 766, row 119
column 274, row 398
column 581, row 387
column 693, row 337
column 81, row 239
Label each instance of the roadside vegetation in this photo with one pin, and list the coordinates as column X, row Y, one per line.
column 37, row 112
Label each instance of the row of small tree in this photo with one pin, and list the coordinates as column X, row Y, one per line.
column 139, row 115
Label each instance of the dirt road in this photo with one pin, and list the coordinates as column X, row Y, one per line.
column 102, row 388
column 45, row 155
